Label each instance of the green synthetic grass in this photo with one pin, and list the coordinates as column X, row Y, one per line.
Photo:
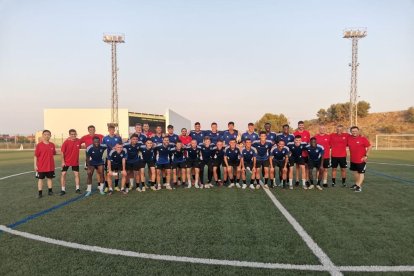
column 375, row 227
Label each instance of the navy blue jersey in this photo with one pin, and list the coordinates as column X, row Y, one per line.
column 271, row 136
column 162, row 154
column 95, row 154
column 148, row 155
column 117, row 157
column 142, row 138
column 214, row 136
column 177, row 156
column 252, row 136
column 287, row 138
column 193, row 153
column 198, row 136
column 110, row 142
column 133, row 152
column 206, row 152
column 263, row 150
column 173, row 138
column 279, row 154
column 227, row 136
column 296, row 151
column 218, row 154
column 249, row 154
column 156, row 140
column 315, row 153
column 232, row 154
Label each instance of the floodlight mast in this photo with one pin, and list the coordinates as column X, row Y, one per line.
column 354, row 35
column 114, row 39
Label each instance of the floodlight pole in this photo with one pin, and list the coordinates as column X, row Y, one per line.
column 354, row 35
column 113, row 40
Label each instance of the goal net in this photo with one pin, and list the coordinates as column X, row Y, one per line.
column 394, row 141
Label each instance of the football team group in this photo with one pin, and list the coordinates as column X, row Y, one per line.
column 206, row 158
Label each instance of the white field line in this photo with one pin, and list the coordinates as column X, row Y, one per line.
column 392, row 164
column 17, row 174
column 133, row 254
column 313, row 246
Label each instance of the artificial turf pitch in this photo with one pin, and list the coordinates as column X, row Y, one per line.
column 375, row 227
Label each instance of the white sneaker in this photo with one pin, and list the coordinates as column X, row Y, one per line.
column 304, row 187
column 244, row 186
column 210, row 185
column 319, row 187
column 153, row 188
column 231, row 185
column 143, row 189
column 159, row 187
column 258, row 187
column 168, row 187
column 251, row 186
column 290, row 187
column 238, row 185
column 196, row 186
column 201, row 186
column 189, row 186
column 138, row 189
column 311, row 187
column 266, row 187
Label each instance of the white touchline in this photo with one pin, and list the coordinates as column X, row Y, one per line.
column 392, row 164
column 313, row 246
column 17, row 174
column 183, row 259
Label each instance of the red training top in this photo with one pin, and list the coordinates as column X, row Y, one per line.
column 185, row 139
column 338, row 144
column 357, row 148
column 70, row 151
column 305, row 138
column 325, row 142
column 44, row 157
column 88, row 139
column 149, row 134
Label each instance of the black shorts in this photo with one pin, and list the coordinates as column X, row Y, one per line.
column 218, row 163
column 233, row 163
column 264, row 163
column 116, row 167
column 314, row 164
column 74, row 168
column 279, row 163
column 133, row 166
column 296, row 160
column 148, row 163
column 181, row 165
column 358, row 167
column 43, row 175
column 326, row 163
column 341, row 161
column 248, row 165
column 204, row 163
column 193, row 163
column 163, row 166
column 95, row 166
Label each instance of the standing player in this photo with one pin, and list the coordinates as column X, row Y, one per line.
column 184, row 138
column 324, row 140
column 138, row 131
column 359, row 147
column 305, row 137
column 230, row 134
column 110, row 141
column 206, row 154
column 70, row 158
column 232, row 157
column 248, row 162
column 296, row 149
column 116, row 163
column 157, row 137
column 214, row 134
column 146, row 131
column 94, row 161
column 270, row 135
column 148, row 158
column 263, row 147
column 133, row 162
column 193, row 163
column 218, row 161
column 250, row 134
column 44, row 163
column 279, row 157
column 163, row 162
column 339, row 141
column 197, row 134
column 88, row 139
column 178, row 163
column 171, row 135
column 285, row 135
column 315, row 160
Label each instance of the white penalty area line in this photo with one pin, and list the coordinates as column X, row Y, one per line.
column 206, row 261
column 17, row 174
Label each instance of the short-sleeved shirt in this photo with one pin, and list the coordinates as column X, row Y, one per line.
column 177, row 156
column 141, row 137
column 325, row 142
column 156, row 139
column 358, row 148
column 286, row 138
column 218, row 155
column 95, row 154
column 305, row 137
column 214, row 136
column 173, row 138
column 88, row 139
column 339, row 143
column 148, row 155
column 162, row 154
column 117, row 157
column 279, row 154
column 271, row 136
column 315, row 153
column 248, row 154
column 133, row 152
column 252, row 136
column 296, row 151
column 185, row 140
column 44, row 157
column 263, row 150
column 232, row 154
column 206, row 152
column 193, row 153
column 70, row 150
column 227, row 136
column 198, row 136
column 111, row 141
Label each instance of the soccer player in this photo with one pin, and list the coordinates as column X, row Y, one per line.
column 263, row 147
column 270, row 135
column 214, row 134
column 133, row 163
column 206, row 154
column 279, row 157
column 232, row 156
column 116, row 163
column 339, row 142
column 163, row 162
column 285, row 135
column 138, row 131
column 230, row 134
column 110, row 141
column 148, row 158
column 178, row 163
column 184, row 138
column 296, row 157
column 315, row 160
column 324, row 139
column 146, row 131
column 94, row 161
column 157, row 137
column 197, row 134
column 250, row 134
column 359, row 147
column 88, row 139
column 248, row 162
column 44, row 163
column 218, row 160
column 171, row 135
column 70, row 158
column 193, row 163
column 305, row 137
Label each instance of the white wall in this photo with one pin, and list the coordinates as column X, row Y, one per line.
column 178, row 121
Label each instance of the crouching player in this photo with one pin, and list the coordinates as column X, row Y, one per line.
column 94, row 161
column 248, row 163
column 178, row 163
column 279, row 157
column 116, row 163
column 296, row 148
column 315, row 153
column 133, row 162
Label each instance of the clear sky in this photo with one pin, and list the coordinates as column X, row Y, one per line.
column 207, row 60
